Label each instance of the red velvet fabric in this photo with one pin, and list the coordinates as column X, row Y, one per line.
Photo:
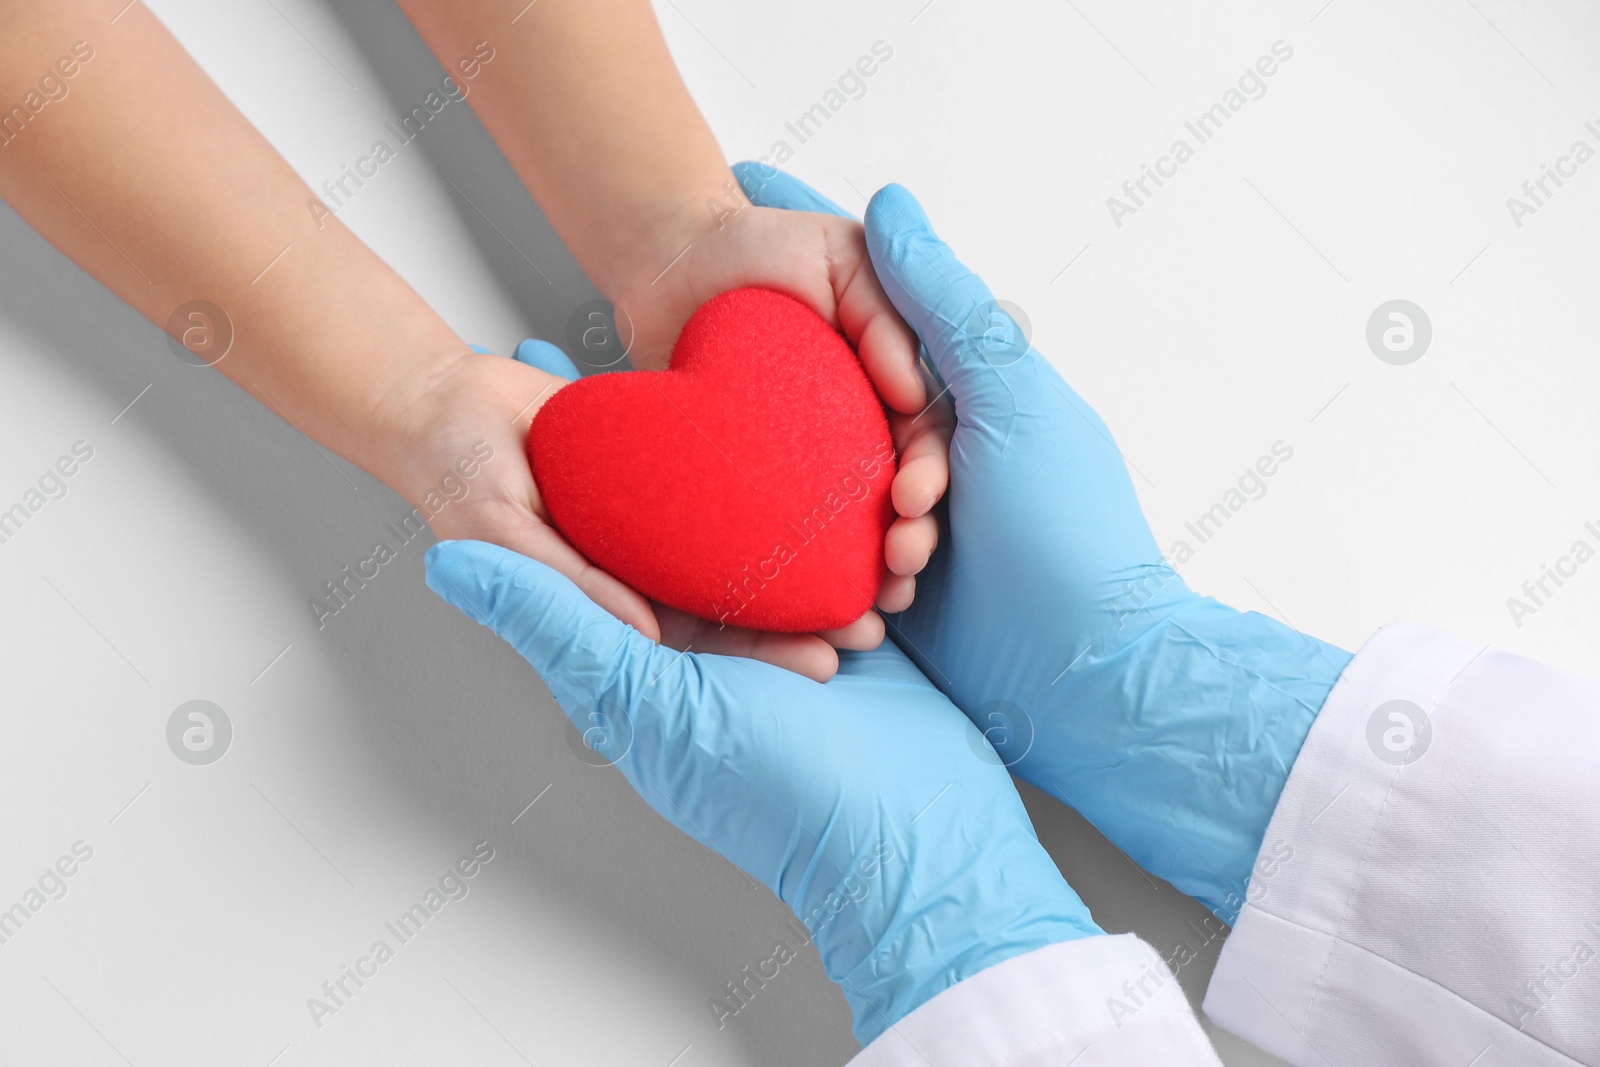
column 747, row 484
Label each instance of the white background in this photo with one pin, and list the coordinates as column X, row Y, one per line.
column 1227, row 314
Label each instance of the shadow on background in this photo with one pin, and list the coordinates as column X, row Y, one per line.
column 489, row 202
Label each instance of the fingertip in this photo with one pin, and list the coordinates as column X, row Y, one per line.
column 872, row 633
column 863, row 635
column 767, row 186
column 814, row 659
column 644, row 620
column 621, row 602
column 748, row 171
column 437, row 554
column 893, row 208
column 919, row 484
column 891, row 195
column 459, row 570
column 909, row 544
column 888, row 351
column 542, row 355
column 896, row 593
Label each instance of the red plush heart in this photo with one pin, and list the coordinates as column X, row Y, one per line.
column 748, row 484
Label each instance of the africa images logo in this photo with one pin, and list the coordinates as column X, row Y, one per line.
column 199, row 732
column 454, row 884
column 1251, row 85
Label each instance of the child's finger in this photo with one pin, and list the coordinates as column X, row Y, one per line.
column 924, row 473
column 887, row 348
column 863, row 635
column 896, row 593
column 804, row 654
column 886, row 345
column 909, row 544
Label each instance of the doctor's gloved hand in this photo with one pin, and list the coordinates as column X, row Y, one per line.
column 869, row 805
column 1050, row 616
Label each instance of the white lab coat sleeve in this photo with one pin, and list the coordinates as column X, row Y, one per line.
column 1106, row 1001
column 1440, row 907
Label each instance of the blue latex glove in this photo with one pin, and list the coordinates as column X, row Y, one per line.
column 869, row 805
column 545, row 356
column 1051, row 618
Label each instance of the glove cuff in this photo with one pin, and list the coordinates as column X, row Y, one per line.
column 1007, row 901
column 1188, row 736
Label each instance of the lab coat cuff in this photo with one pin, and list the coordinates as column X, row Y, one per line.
column 1303, row 975
column 1092, row 1002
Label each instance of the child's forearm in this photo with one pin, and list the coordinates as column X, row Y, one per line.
column 150, row 180
column 584, row 100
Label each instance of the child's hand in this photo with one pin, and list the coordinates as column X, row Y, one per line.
column 821, row 260
column 479, row 400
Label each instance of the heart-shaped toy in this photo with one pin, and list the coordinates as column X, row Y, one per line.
column 748, row 484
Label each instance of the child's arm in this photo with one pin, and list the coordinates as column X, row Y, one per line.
column 585, row 102
column 151, row 181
